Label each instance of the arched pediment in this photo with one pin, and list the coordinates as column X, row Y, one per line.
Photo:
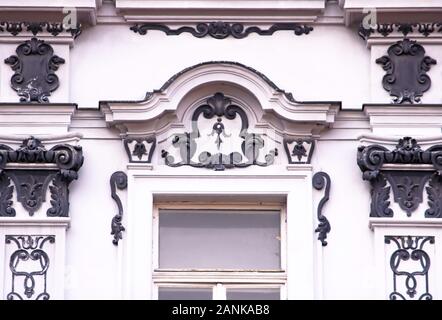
column 271, row 98
column 219, row 115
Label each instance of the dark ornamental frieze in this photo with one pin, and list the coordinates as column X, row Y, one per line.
column 31, row 184
column 319, row 181
column 425, row 29
column 299, row 150
column 221, row 108
column 53, row 28
column 408, row 185
column 117, row 180
column 29, row 265
column 406, row 69
column 222, row 30
column 34, row 65
column 410, row 264
column 140, row 149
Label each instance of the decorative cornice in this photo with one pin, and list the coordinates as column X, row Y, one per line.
column 371, row 158
column 425, row 29
column 223, row 30
column 53, row 28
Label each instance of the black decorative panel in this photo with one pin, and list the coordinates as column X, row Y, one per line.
column 407, row 185
column 221, row 108
column 29, row 265
column 117, row 180
column 321, row 180
column 408, row 188
column 31, row 184
column 34, row 66
column 54, row 28
column 140, row 149
column 222, row 30
column 299, row 150
column 406, row 65
column 410, row 264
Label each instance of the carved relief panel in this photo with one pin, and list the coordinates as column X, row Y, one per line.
column 219, row 139
column 34, row 67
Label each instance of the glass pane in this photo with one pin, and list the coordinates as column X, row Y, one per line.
column 165, row 293
column 253, row 294
column 214, row 239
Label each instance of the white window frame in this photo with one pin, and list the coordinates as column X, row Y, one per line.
column 220, row 280
column 147, row 186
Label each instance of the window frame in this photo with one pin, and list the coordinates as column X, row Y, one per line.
column 219, row 280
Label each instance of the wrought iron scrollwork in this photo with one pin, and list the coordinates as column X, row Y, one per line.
column 118, row 180
column 220, row 107
column 321, row 180
column 34, row 65
column 31, row 185
column 29, row 248
column 406, row 65
column 410, row 247
column 407, row 186
column 222, row 30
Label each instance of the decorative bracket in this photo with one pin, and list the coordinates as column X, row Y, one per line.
column 221, row 30
column 136, row 149
column 319, row 181
column 55, row 168
column 34, row 65
column 406, row 66
column 118, row 180
column 407, row 186
column 301, row 152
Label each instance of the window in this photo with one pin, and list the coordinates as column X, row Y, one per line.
column 219, row 252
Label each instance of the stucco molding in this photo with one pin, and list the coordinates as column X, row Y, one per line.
column 272, row 100
column 229, row 10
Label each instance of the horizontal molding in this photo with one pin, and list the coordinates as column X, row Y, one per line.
column 404, row 223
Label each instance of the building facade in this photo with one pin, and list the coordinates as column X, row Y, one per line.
column 233, row 149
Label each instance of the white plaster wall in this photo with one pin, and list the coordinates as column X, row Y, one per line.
column 348, row 258
column 331, row 63
column 91, row 258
